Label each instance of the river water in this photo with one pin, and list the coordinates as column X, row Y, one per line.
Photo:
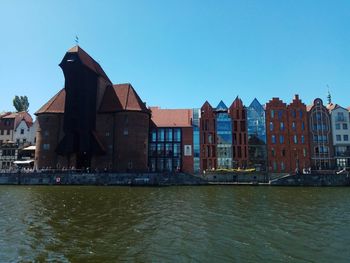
column 174, row 224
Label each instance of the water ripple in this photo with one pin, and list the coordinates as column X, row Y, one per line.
column 174, row 224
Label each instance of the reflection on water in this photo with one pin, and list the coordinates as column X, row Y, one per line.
column 174, row 224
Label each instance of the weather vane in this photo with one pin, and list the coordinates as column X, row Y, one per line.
column 76, row 39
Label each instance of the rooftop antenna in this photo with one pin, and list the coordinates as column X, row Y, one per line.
column 76, row 40
column 329, row 96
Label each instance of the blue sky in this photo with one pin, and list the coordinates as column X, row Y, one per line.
column 177, row 54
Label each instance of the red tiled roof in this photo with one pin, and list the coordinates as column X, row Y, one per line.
column 171, row 117
column 128, row 98
column 116, row 98
column 55, row 104
column 89, row 62
column 18, row 117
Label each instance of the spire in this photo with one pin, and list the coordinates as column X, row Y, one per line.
column 329, row 97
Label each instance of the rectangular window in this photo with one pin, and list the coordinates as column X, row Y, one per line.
column 274, row 165
column 283, row 166
column 153, row 149
column 273, row 153
column 295, row 139
column 301, row 114
column 283, row 152
column 22, row 131
column 337, row 126
column 302, row 126
column 271, row 126
column 161, row 135
column 281, row 139
column 273, row 139
column 168, row 149
column 177, row 135
column 272, row 114
column 345, row 126
column 126, row 131
column 153, row 135
column 293, row 126
column 280, row 113
column 282, row 126
column 177, row 149
column 160, row 149
column 302, row 139
column 338, row 138
column 304, row 152
column 169, row 134
column 346, row 137
column 340, row 116
column 294, row 113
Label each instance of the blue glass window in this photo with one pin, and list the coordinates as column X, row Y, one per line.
column 273, row 139
column 281, row 139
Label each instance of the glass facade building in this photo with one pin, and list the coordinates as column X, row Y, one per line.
column 196, row 140
column 165, row 149
column 257, row 151
column 224, row 137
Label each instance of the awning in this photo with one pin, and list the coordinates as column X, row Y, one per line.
column 30, row 148
column 24, row 162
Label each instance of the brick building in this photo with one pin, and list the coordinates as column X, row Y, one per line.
column 91, row 122
column 287, row 135
column 240, row 136
column 171, row 140
column 277, row 136
column 208, row 159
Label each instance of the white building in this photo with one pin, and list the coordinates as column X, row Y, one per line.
column 17, row 131
column 18, row 128
column 341, row 134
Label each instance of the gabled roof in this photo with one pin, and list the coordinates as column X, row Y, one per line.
column 171, row 117
column 88, row 61
column 221, row 106
column 237, row 103
column 206, row 104
column 128, row 98
column 18, row 117
column 330, row 107
column 55, row 104
column 256, row 105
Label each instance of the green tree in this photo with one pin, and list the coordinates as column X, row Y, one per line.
column 21, row 103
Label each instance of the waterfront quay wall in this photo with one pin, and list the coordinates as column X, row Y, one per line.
column 234, row 177
column 313, row 180
column 128, row 179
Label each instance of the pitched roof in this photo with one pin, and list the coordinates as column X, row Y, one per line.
column 88, row 61
column 221, row 106
column 256, row 105
column 128, row 98
column 55, row 104
column 171, row 117
column 18, row 117
column 237, row 103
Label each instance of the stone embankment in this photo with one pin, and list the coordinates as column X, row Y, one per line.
column 320, row 179
column 129, row 179
column 168, row 179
